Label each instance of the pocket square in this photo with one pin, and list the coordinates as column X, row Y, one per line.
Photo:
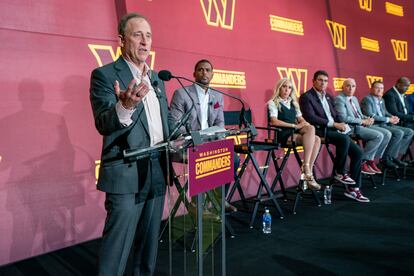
column 216, row 105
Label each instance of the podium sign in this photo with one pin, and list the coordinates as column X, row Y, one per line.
column 210, row 165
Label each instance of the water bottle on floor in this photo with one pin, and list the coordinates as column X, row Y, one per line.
column 267, row 222
column 327, row 194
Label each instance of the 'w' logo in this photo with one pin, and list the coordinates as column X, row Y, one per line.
column 219, row 13
column 365, row 5
column 338, row 34
column 297, row 76
column 105, row 54
column 371, row 79
column 400, row 49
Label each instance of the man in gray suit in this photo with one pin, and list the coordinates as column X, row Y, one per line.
column 208, row 106
column 130, row 109
column 376, row 139
column 373, row 106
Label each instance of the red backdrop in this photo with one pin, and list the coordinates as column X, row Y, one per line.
column 49, row 148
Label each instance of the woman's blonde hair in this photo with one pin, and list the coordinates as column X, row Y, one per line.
column 276, row 93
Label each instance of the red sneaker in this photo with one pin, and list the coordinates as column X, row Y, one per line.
column 373, row 167
column 366, row 169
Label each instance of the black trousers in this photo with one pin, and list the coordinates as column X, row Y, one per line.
column 346, row 147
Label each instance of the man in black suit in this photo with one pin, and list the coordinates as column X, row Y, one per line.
column 397, row 104
column 318, row 109
column 131, row 111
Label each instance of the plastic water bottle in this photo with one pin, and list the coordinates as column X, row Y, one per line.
column 267, row 222
column 327, row 194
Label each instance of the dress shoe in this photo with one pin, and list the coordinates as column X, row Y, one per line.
column 387, row 163
column 399, row 162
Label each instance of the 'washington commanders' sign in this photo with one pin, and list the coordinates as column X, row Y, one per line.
column 210, row 165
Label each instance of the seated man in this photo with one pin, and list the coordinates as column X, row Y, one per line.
column 318, row 109
column 373, row 106
column 376, row 139
column 397, row 104
column 208, row 107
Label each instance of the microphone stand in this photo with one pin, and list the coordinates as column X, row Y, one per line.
column 195, row 135
column 242, row 119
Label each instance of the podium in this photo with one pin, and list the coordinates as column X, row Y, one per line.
column 194, row 232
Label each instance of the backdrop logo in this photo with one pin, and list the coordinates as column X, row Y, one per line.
column 219, row 13
column 338, row 83
column 400, row 48
column 298, row 76
column 286, row 25
column 370, row 44
column 365, row 5
column 97, row 168
column 338, row 34
column 371, row 79
column 409, row 91
column 105, row 54
column 394, row 9
column 228, row 79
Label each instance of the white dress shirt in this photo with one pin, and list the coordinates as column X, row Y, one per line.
column 151, row 106
column 273, row 111
column 325, row 105
column 203, row 97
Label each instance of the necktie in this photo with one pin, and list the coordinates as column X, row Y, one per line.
column 354, row 109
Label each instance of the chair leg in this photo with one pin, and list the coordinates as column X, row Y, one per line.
column 297, row 198
column 263, row 184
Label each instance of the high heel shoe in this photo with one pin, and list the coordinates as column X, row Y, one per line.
column 308, row 177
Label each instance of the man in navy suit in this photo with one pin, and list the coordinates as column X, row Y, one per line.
column 397, row 103
column 130, row 109
column 318, row 109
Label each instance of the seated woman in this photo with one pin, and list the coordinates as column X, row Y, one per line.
column 284, row 113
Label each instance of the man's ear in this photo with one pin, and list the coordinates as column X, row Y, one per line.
column 120, row 41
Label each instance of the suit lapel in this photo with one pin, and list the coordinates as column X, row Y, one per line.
column 161, row 100
column 125, row 76
column 211, row 103
column 193, row 94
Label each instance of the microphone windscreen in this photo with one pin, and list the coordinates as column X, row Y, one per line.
column 165, row 75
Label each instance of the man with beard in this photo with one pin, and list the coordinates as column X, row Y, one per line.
column 208, row 106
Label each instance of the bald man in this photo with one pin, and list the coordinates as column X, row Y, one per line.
column 376, row 139
column 397, row 104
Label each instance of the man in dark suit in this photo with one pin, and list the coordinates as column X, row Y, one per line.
column 318, row 109
column 373, row 106
column 397, row 104
column 131, row 111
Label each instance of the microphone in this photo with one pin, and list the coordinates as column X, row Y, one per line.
column 166, row 75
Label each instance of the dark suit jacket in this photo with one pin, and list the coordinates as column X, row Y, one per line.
column 117, row 175
column 395, row 107
column 312, row 109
